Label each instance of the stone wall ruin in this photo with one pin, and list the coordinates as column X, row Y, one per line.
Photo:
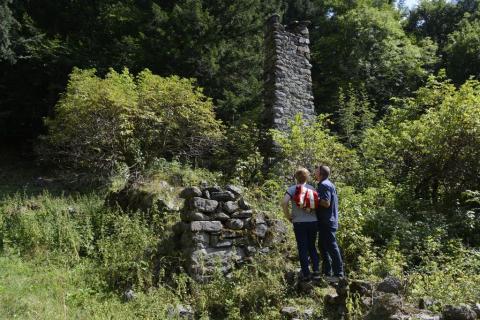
column 220, row 230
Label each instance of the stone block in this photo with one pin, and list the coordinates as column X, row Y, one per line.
column 234, row 224
column 194, row 216
column 222, row 196
column 231, row 207
column 242, row 214
column 190, row 192
column 237, row 191
column 220, row 216
column 244, row 204
column 203, row 205
column 207, row 226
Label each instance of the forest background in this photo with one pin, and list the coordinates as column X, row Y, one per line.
column 399, row 103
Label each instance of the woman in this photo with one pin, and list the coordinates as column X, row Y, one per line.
column 304, row 223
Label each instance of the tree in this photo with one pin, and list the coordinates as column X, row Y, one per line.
column 364, row 44
column 462, row 51
column 429, row 143
column 121, row 120
column 8, row 26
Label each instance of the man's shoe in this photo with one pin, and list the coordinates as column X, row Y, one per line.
column 316, row 276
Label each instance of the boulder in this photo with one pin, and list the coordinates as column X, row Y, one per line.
column 220, row 216
column 260, row 230
column 190, row 192
column 360, row 287
column 384, row 307
column 222, row 196
column 242, row 214
column 244, row 204
column 207, row 226
column 234, row 224
column 194, row 216
column 181, row 311
column 203, row 205
column 230, row 207
column 460, row 312
column 390, row 285
column 237, row 191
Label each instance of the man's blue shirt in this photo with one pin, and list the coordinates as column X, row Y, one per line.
column 328, row 216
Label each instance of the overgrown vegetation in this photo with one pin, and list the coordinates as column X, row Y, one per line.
column 401, row 138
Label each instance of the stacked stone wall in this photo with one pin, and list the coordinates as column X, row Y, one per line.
column 220, row 230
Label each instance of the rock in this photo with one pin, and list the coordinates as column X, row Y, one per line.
column 461, row 312
column 71, row 210
column 213, row 189
column 195, row 240
column 384, row 307
column 217, row 242
column 242, row 214
column 207, row 226
column 234, row 224
column 425, row 303
column 307, row 314
column 360, row 287
column 206, row 194
column 203, row 205
column 181, row 312
column 260, row 230
column 276, row 234
column 203, row 262
column 128, row 295
column 190, row 192
column 220, row 216
column 476, row 308
column 230, row 207
column 390, row 285
column 231, row 234
column 222, row 196
column 244, row 204
column 164, row 206
column 194, row 216
column 237, row 191
column 289, row 312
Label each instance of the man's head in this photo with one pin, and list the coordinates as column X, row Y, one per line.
column 301, row 175
column 322, row 172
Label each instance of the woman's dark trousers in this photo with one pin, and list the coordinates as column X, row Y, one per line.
column 306, row 236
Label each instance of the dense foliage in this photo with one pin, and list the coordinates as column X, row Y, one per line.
column 102, row 124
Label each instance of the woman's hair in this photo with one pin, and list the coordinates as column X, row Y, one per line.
column 301, row 175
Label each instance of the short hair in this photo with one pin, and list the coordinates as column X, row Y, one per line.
column 324, row 170
column 301, row 175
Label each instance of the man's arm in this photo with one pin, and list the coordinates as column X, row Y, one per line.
column 324, row 196
column 285, row 207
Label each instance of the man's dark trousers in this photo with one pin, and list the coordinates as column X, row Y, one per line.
column 306, row 236
column 332, row 259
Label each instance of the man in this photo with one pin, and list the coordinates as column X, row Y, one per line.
column 304, row 227
column 327, row 214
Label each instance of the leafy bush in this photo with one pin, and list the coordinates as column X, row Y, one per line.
column 430, row 143
column 122, row 120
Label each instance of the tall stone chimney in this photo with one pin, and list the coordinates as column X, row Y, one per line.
column 287, row 75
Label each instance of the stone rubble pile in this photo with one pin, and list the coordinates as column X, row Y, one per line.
column 220, row 230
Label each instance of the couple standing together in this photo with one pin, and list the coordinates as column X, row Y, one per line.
column 321, row 221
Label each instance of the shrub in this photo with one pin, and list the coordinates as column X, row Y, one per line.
column 122, row 120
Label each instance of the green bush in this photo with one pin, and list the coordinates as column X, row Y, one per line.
column 126, row 121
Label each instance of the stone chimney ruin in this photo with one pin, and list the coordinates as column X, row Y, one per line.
column 287, row 73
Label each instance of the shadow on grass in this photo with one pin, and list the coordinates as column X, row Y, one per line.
column 21, row 174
